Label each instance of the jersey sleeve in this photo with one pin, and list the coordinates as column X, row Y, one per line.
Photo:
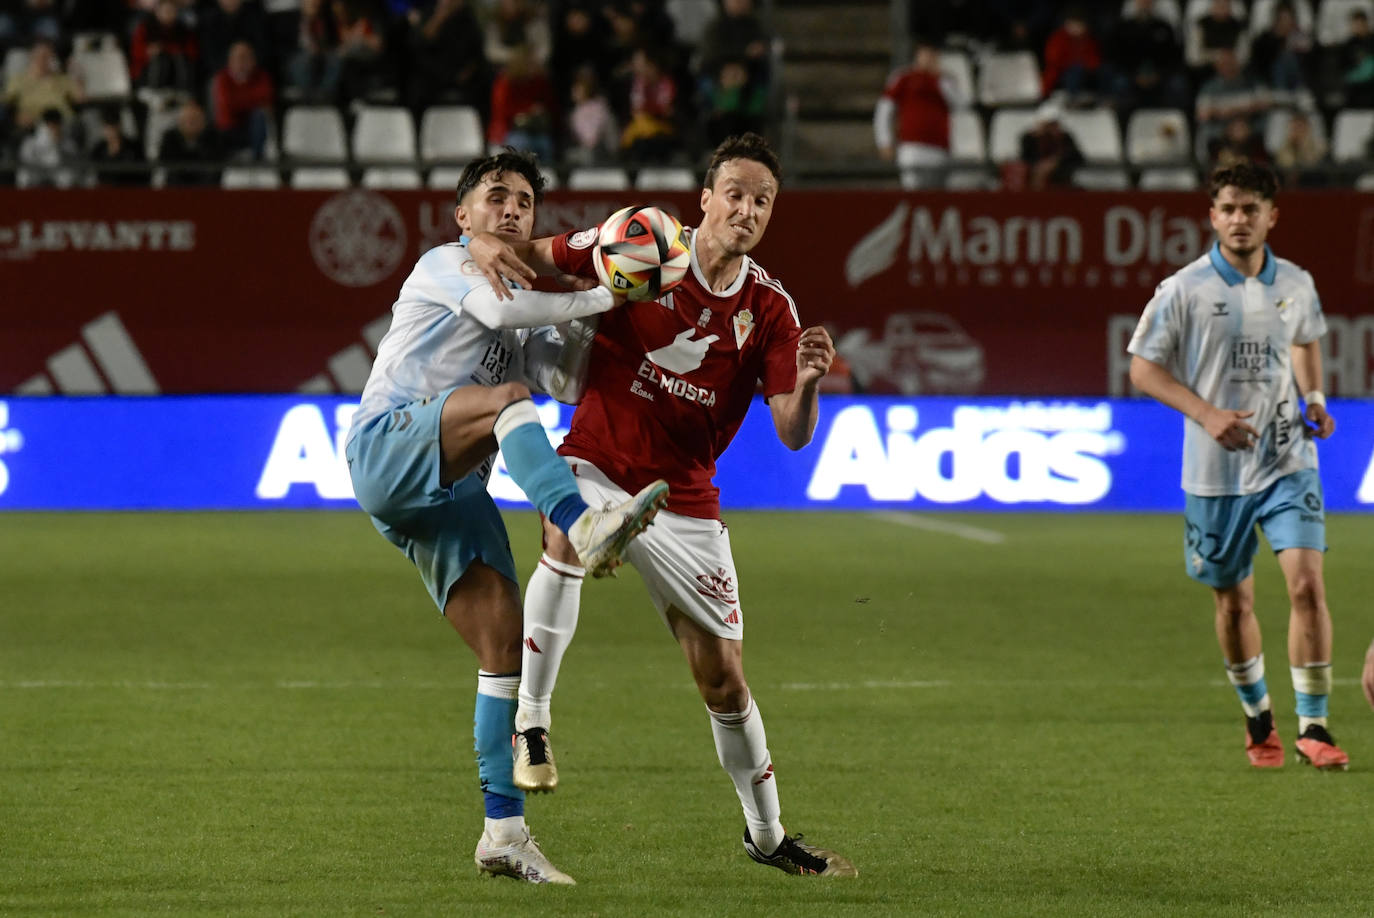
column 1312, row 324
column 1156, row 335
column 780, row 359
column 572, row 251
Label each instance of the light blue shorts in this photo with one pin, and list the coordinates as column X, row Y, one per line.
column 1219, row 542
column 394, row 463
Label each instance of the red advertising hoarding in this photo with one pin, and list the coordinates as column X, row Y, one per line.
column 183, row 291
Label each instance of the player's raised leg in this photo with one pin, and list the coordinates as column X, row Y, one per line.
column 475, row 418
column 1309, row 655
column 742, row 748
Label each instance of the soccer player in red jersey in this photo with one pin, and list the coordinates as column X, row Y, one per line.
column 669, row 383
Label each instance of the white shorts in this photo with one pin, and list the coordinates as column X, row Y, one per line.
column 685, row 561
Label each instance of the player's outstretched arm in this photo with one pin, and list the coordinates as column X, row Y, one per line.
column 518, row 262
column 1226, row 426
column 795, row 413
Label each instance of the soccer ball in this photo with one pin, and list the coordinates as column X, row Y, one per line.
column 641, row 252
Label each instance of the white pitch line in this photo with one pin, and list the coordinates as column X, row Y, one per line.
column 868, row 684
column 930, row 524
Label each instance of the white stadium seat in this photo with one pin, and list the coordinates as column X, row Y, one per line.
column 1163, row 178
column 1333, row 19
column 1096, row 131
column 1102, row 179
column 1005, row 130
column 391, row 177
column 445, row 177
column 1351, row 133
column 1157, row 135
column 970, row 180
column 104, row 73
column 956, row 65
column 598, row 178
column 966, row 141
column 239, row 177
column 1008, row 78
column 667, row 178
column 451, row 133
column 316, row 177
column 314, row 132
column 384, row 133
column 1365, row 182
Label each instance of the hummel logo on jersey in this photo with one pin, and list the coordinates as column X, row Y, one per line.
column 534, row 648
column 401, row 418
column 685, row 354
column 1219, row 309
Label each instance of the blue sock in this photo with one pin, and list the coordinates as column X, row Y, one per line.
column 493, row 726
column 1248, row 679
column 533, row 465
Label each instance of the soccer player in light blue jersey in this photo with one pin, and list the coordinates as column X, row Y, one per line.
column 1233, row 341
column 452, row 383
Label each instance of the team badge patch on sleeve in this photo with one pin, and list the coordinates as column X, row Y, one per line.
column 743, row 324
column 584, row 239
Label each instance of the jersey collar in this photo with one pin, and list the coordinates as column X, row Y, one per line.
column 1233, row 277
column 735, row 286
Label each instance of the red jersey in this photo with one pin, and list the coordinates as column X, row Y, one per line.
column 922, row 111
column 669, row 382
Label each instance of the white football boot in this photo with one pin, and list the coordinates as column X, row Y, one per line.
column 521, row 859
column 600, row 536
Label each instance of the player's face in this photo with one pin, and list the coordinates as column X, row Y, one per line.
column 1242, row 220
column 502, row 203
column 736, row 210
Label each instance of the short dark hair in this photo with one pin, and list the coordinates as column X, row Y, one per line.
column 510, row 159
column 1246, row 176
column 743, row 146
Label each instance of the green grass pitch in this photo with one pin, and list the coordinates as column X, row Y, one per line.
column 261, row 715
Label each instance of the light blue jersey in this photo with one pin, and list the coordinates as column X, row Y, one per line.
column 1229, row 338
column 434, row 344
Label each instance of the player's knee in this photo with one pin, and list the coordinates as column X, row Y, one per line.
column 1232, row 608
column 1305, row 591
column 509, row 392
column 725, row 694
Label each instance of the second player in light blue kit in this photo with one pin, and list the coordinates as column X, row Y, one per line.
column 1233, row 341
column 452, row 382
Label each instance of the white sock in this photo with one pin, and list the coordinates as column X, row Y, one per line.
column 551, row 604
column 506, row 831
column 742, row 747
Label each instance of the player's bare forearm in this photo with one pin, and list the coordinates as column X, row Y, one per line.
column 795, row 414
column 1226, row 426
column 1307, row 372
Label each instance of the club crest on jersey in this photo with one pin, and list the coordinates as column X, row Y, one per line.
column 743, row 324
column 584, row 239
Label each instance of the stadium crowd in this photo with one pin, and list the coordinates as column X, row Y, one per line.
column 1191, row 85
column 127, row 90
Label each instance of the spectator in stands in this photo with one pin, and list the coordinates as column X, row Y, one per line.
column 1072, row 58
column 39, row 87
column 517, row 24
column 163, row 52
column 737, row 34
column 592, row 132
column 190, row 144
column 45, row 151
column 447, row 60
column 1220, row 30
column 1278, row 55
column 1230, row 93
column 315, row 64
column 737, row 104
column 1049, row 153
column 1302, row 153
column 25, row 22
column 1357, row 62
column 523, row 108
column 651, row 134
column 1238, row 143
column 579, row 41
column 1145, row 62
column 115, row 149
column 362, row 50
column 920, row 98
column 243, row 98
column 227, row 22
